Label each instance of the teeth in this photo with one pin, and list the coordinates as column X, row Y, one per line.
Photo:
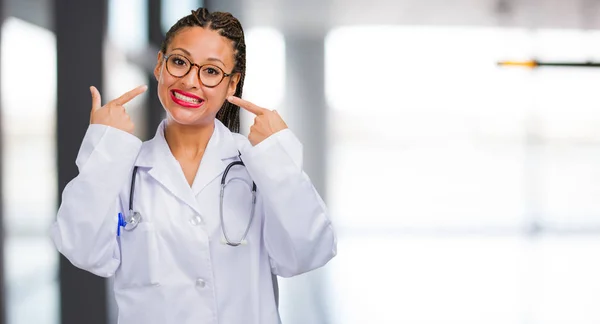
column 186, row 99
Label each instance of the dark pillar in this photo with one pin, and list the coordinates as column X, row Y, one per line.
column 305, row 99
column 305, row 96
column 154, row 113
column 80, row 30
column 209, row 4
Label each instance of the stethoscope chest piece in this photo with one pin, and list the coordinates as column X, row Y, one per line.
column 133, row 220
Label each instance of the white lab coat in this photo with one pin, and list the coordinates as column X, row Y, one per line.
column 174, row 267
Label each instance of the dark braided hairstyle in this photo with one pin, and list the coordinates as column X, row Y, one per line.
column 227, row 26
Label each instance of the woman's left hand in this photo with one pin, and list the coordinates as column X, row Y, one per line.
column 266, row 123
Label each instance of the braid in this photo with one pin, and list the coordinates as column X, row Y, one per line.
column 227, row 26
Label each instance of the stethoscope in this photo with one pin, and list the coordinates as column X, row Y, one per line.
column 134, row 218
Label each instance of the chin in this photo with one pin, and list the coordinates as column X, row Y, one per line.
column 197, row 117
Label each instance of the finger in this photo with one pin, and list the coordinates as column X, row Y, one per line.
column 130, row 95
column 96, row 99
column 247, row 105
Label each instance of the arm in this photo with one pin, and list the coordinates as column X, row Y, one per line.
column 86, row 224
column 297, row 231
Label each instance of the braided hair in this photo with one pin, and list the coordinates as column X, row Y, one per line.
column 227, row 26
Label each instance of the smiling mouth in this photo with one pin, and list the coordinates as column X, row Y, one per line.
column 187, row 99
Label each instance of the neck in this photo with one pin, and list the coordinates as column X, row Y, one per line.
column 188, row 141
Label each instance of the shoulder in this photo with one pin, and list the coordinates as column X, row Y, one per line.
column 240, row 141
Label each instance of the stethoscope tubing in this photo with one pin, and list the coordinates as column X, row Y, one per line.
column 134, row 218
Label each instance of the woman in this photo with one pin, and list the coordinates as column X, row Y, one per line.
column 154, row 215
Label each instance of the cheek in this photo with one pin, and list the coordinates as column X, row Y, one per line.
column 167, row 80
column 164, row 83
column 216, row 97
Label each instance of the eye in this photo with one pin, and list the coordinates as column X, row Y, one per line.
column 178, row 61
column 212, row 70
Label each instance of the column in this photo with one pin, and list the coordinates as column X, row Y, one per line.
column 154, row 110
column 304, row 298
column 80, row 30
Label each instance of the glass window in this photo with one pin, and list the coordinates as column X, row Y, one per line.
column 459, row 186
column 29, row 171
column 264, row 84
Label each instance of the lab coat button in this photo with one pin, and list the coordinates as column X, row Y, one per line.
column 200, row 283
column 195, row 220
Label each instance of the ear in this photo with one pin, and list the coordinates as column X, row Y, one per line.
column 159, row 61
column 235, row 79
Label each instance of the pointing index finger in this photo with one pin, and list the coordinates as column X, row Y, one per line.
column 128, row 96
column 247, row 105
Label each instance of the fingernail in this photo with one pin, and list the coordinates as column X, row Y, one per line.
column 229, row 98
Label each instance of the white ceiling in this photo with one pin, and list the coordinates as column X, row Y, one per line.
column 305, row 15
column 318, row 15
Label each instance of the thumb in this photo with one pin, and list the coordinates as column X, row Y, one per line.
column 96, row 99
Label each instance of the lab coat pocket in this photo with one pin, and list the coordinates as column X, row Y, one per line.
column 139, row 257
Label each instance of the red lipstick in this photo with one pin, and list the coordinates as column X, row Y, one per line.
column 186, row 103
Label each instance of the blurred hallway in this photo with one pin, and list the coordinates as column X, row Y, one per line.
column 461, row 191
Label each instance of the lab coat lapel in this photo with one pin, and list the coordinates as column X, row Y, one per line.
column 165, row 169
column 221, row 149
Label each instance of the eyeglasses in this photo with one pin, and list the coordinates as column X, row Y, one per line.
column 210, row 75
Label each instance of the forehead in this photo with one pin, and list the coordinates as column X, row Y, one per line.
column 203, row 44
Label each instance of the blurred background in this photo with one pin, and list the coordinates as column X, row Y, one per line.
column 461, row 191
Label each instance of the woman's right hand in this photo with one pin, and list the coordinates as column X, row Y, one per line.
column 113, row 113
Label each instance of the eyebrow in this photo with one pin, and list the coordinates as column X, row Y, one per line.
column 183, row 50
column 211, row 59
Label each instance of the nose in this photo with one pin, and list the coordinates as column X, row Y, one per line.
column 191, row 79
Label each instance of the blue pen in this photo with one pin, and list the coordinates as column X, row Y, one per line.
column 120, row 224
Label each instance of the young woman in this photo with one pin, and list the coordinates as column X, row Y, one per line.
column 194, row 222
